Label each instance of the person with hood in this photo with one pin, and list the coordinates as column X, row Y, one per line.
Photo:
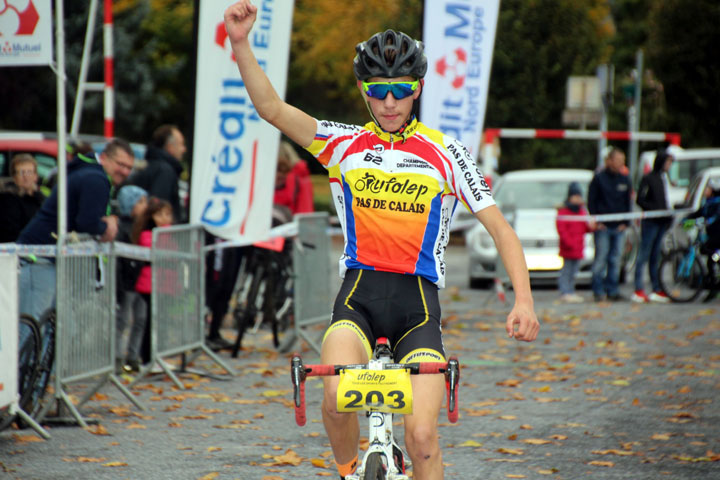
column 609, row 192
column 653, row 195
column 572, row 242
column 90, row 180
column 160, row 178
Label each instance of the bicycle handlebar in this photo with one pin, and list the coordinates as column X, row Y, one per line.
column 299, row 372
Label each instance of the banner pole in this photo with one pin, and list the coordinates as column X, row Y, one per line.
column 61, row 120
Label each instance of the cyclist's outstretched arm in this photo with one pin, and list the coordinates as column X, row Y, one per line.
column 511, row 253
column 296, row 124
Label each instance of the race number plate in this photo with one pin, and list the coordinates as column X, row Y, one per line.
column 386, row 391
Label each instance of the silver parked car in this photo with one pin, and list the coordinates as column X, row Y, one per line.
column 529, row 199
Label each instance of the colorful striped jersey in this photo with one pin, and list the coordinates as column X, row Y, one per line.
column 395, row 195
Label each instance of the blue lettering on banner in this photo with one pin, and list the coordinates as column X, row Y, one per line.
column 263, row 25
column 459, row 12
column 235, row 109
column 460, row 112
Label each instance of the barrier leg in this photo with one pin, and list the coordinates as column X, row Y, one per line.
column 30, row 421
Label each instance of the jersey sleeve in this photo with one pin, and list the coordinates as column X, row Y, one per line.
column 468, row 183
column 329, row 138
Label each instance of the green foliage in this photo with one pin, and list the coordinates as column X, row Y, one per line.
column 538, row 45
column 682, row 50
column 321, row 79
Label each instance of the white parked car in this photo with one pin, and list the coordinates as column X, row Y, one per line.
column 693, row 200
column 529, row 199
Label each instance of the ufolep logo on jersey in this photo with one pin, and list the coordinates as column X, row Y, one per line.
column 25, row 32
column 453, row 67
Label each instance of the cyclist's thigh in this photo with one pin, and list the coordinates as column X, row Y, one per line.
column 349, row 338
column 417, row 336
column 428, row 395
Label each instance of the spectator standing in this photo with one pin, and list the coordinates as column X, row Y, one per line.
column 160, row 178
column 90, row 180
column 293, row 188
column 132, row 203
column 653, row 195
column 20, row 198
column 609, row 192
column 158, row 213
column 572, row 242
column 221, row 269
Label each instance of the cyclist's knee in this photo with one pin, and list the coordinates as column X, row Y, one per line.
column 422, row 441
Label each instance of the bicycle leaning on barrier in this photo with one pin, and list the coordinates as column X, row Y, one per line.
column 381, row 389
column 36, row 354
column 683, row 273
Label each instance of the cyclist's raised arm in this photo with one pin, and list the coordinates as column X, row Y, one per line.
column 513, row 258
column 296, row 124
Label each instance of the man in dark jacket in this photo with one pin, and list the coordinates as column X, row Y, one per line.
column 89, row 183
column 609, row 192
column 653, row 195
column 160, row 177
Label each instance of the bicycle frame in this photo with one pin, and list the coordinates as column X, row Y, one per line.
column 380, row 424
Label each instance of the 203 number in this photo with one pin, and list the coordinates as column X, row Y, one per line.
column 373, row 397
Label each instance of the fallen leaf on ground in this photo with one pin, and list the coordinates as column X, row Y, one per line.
column 599, row 463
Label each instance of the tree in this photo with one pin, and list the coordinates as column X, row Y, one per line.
column 324, row 36
column 538, row 45
column 682, row 51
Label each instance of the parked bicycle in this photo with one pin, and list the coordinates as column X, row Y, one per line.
column 263, row 293
column 683, row 272
column 36, row 353
column 382, row 389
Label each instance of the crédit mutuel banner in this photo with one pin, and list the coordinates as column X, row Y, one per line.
column 235, row 151
column 459, row 37
column 25, row 33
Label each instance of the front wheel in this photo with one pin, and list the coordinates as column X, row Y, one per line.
column 681, row 276
column 375, row 467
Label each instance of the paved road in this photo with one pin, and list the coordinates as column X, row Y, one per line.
column 608, row 391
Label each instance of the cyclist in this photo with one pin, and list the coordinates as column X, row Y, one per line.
column 710, row 212
column 395, row 183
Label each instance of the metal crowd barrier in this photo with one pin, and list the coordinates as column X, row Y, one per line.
column 312, row 294
column 84, row 321
column 177, row 299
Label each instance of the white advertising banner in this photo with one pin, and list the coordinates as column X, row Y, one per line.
column 8, row 329
column 459, row 37
column 235, row 151
column 25, row 33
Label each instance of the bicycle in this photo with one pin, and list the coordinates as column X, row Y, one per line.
column 264, row 292
column 381, row 395
column 682, row 274
column 36, row 353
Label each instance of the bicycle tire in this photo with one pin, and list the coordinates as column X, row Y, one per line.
column 43, row 370
column 28, row 357
column 680, row 282
column 375, row 468
column 245, row 315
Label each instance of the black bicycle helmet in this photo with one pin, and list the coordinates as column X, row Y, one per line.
column 389, row 54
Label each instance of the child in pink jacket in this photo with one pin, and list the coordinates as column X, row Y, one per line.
column 158, row 214
column 572, row 242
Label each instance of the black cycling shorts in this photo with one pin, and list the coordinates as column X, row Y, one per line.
column 403, row 308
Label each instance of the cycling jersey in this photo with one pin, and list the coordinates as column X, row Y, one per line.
column 395, row 194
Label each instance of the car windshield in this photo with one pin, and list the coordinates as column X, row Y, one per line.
column 682, row 171
column 532, row 194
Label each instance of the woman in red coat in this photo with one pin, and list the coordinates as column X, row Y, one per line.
column 572, row 242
